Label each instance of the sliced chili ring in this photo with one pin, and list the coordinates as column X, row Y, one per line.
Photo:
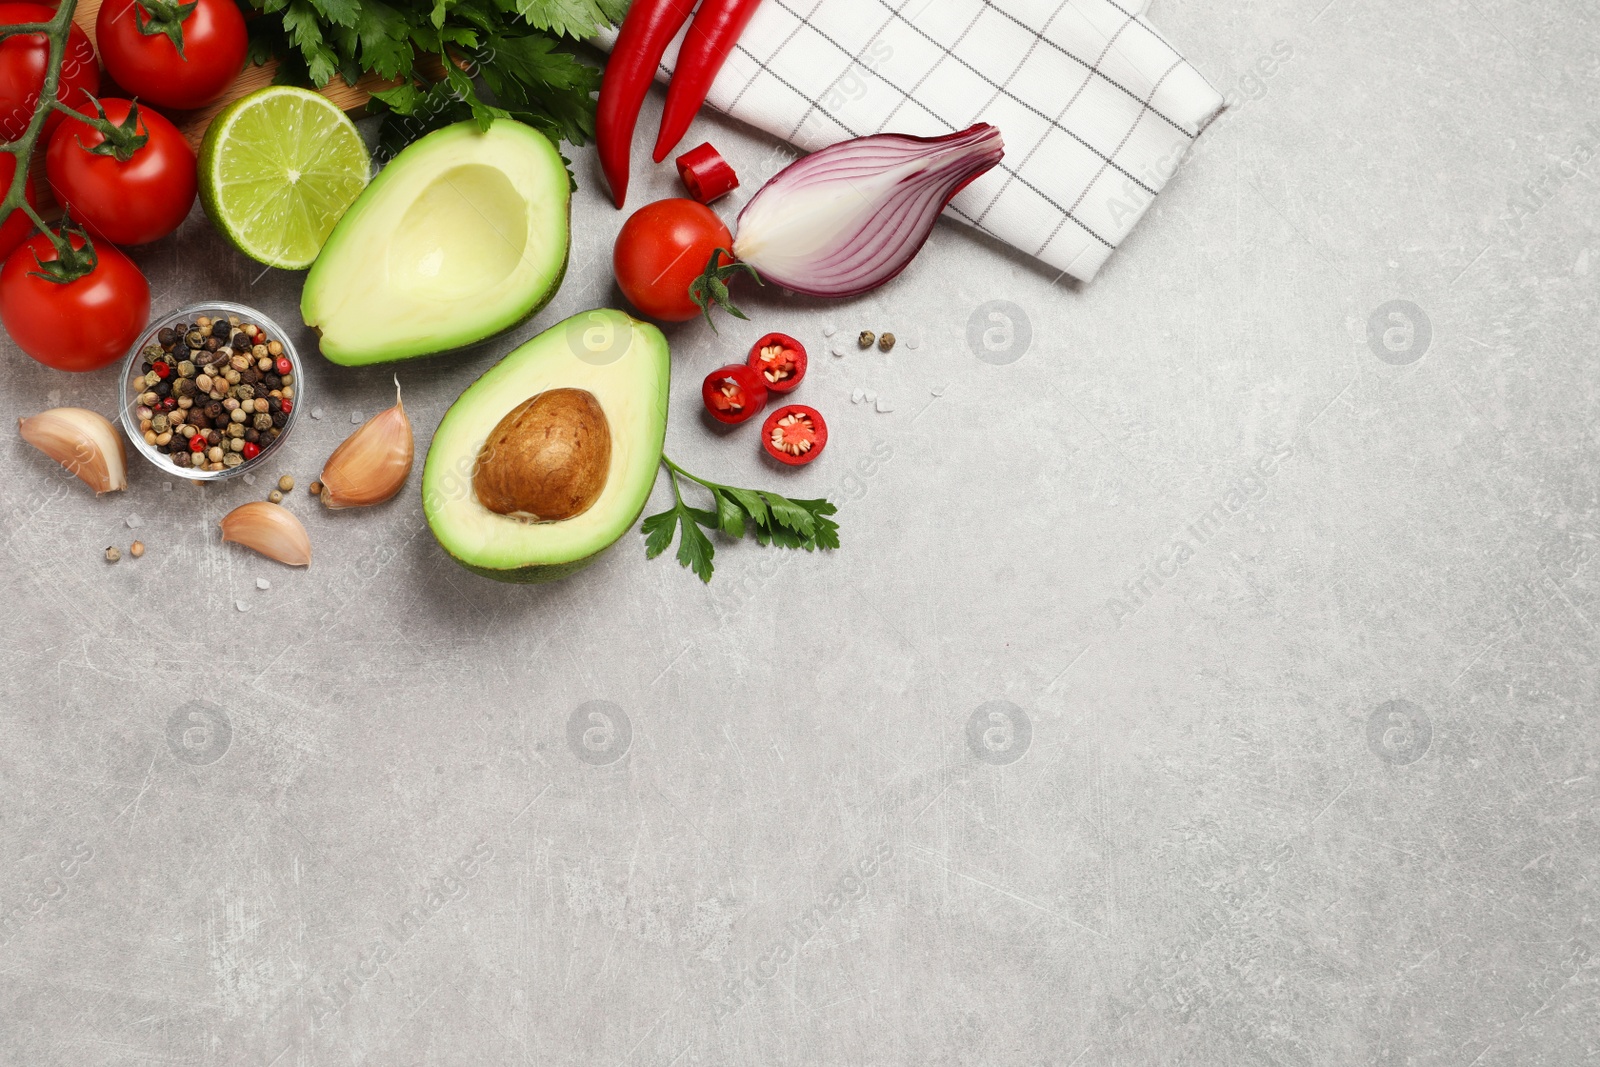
column 794, row 434
column 734, row 393
column 706, row 174
column 780, row 359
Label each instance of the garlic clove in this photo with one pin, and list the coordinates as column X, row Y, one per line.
column 82, row 441
column 270, row 529
column 373, row 463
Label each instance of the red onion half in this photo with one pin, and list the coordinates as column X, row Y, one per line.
column 849, row 217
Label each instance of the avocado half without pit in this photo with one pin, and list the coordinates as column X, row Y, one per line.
column 464, row 234
column 549, row 457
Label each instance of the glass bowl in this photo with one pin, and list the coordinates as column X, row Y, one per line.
column 128, row 394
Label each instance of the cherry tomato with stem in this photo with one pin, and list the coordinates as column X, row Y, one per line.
column 667, row 248
column 794, row 434
column 23, row 60
column 733, row 394
column 128, row 175
column 781, row 360
column 76, row 311
column 171, row 54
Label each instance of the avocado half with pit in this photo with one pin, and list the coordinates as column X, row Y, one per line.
column 464, row 234
column 548, row 459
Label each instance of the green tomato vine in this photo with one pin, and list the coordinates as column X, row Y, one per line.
column 55, row 32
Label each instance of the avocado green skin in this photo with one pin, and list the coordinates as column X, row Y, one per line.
column 476, row 332
column 538, row 574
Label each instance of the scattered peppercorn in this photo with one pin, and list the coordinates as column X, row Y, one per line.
column 885, row 342
column 866, row 339
column 315, row 488
column 286, row 483
column 112, row 555
column 136, row 549
column 275, row 496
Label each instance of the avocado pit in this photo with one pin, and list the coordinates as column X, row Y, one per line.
column 547, row 459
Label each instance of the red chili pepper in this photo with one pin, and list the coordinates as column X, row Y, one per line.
column 648, row 28
column 734, row 393
column 706, row 174
column 794, row 434
column 283, row 366
column 780, row 359
column 712, row 35
column 250, row 450
column 197, row 443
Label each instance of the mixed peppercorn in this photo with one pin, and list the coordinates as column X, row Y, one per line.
column 214, row 393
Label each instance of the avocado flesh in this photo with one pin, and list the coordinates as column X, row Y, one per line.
column 625, row 365
column 464, row 234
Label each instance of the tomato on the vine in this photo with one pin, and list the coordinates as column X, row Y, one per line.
column 128, row 177
column 23, row 60
column 17, row 226
column 78, row 324
column 661, row 250
column 172, row 54
column 733, row 394
column 794, row 434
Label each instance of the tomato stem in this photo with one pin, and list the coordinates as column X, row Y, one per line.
column 55, row 32
column 164, row 18
column 118, row 142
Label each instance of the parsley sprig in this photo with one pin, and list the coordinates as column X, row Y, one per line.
column 774, row 519
column 444, row 53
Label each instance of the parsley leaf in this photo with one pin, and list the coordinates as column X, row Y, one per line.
column 452, row 59
column 772, row 518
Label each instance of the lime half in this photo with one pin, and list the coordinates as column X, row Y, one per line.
column 277, row 169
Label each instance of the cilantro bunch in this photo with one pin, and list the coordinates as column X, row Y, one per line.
column 445, row 53
column 774, row 519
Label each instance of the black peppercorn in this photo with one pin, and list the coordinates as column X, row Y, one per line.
column 212, row 344
column 253, row 436
column 186, row 387
column 220, row 329
column 214, row 410
column 180, row 458
column 274, row 404
column 272, row 381
column 279, row 418
column 213, row 437
column 144, row 367
column 163, row 389
column 166, row 336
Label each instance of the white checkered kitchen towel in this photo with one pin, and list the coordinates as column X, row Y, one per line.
column 1096, row 108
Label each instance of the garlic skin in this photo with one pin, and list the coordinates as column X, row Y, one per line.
column 82, row 441
column 269, row 529
column 373, row 463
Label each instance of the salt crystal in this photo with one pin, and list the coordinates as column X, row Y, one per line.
column 829, row 330
column 249, row 479
column 356, row 419
column 868, row 395
column 316, row 413
column 262, row 583
column 836, row 350
column 885, row 407
column 857, row 395
column 241, row 605
column 134, row 522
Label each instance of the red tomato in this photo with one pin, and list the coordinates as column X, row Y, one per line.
column 794, row 434
column 142, row 59
column 781, row 360
column 22, row 63
column 733, row 394
column 15, row 229
column 77, row 325
column 662, row 249
column 126, row 202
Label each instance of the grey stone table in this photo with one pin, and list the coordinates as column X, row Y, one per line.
column 1208, row 674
